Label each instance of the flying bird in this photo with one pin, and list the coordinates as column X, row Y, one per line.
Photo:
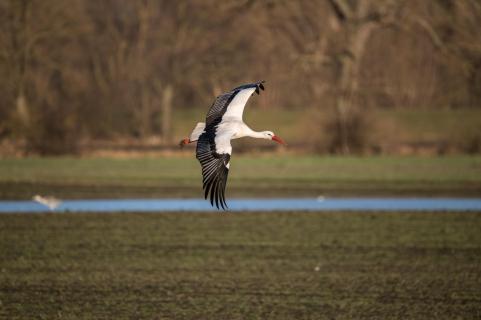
column 222, row 124
column 50, row 202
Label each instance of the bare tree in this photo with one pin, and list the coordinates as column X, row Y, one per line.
column 17, row 47
column 34, row 62
column 355, row 22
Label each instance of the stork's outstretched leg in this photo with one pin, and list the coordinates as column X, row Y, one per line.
column 185, row 141
column 194, row 136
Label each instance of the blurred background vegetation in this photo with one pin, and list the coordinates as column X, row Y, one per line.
column 367, row 76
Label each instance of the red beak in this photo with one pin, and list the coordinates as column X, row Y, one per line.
column 279, row 140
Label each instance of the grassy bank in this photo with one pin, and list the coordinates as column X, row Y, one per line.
column 256, row 176
column 241, row 266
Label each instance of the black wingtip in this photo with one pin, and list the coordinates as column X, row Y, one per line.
column 261, row 85
column 257, row 89
column 225, row 207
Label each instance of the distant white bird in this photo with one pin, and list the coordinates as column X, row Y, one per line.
column 50, row 202
column 223, row 123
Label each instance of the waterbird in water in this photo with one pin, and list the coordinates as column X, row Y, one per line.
column 223, row 123
column 51, row 202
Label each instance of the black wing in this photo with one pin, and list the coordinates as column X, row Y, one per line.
column 215, row 168
column 219, row 107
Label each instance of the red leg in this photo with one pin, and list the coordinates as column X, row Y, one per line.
column 183, row 142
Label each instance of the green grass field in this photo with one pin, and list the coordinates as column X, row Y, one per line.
column 254, row 176
column 241, row 266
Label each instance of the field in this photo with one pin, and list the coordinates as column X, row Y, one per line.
column 274, row 175
column 295, row 265
column 241, row 266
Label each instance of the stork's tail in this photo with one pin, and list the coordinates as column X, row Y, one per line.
column 198, row 130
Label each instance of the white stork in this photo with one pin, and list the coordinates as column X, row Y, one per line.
column 223, row 123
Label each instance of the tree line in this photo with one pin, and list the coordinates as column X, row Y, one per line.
column 84, row 70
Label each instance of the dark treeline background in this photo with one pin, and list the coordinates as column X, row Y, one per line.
column 81, row 70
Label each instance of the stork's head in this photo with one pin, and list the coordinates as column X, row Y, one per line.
column 269, row 135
